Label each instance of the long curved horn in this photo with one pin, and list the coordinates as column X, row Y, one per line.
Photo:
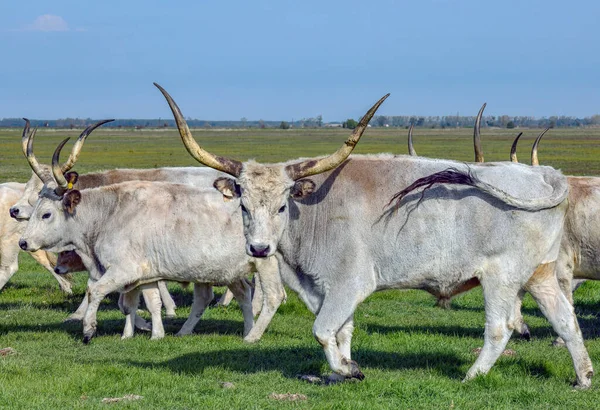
column 313, row 167
column 477, row 135
column 25, row 136
column 513, row 149
column 79, row 144
column 61, row 181
column 33, row 162
column 411, row 149
column 230, row 166
column 534, row 156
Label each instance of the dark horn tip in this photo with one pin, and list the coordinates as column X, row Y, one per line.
column 25, row 119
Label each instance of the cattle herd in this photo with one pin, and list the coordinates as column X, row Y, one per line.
column 334, row 229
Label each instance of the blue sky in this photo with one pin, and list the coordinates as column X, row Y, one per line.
column 277, row 60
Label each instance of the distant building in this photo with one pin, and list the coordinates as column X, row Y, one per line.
column 333, row 125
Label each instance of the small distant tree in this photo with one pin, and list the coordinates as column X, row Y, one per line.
column 381, row 120
column 244, row 120
column 552, row 124
column 261, row 124
column 350, row 123
column 510, row 124
column 319, row 120
column 284, row 125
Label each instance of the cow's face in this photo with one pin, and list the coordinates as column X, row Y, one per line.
column 22, row 209
column 68, row 262
column 47, row 225
column 264, row 193
column 265, row 189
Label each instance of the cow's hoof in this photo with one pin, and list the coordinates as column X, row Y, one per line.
column 251, row 339
column 558, row 342
column 525, row 333
column 354, row 369
column 585, row 383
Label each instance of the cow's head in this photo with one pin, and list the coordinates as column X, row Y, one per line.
column 24, row 206
column 68, row 262
column 57, row 202
column 265, row 189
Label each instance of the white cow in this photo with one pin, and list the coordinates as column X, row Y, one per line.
column 10, row 232
column 138, row 232
column 199, row 177
column 338, row 236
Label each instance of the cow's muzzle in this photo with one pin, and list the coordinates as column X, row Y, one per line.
column 260, row 250
column 14, row 212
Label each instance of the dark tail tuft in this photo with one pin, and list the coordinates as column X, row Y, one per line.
column 448, row 176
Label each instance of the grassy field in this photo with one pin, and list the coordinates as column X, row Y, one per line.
column 413, row 354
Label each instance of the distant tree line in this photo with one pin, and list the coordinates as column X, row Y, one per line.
column 502, row 121
column 449, row 121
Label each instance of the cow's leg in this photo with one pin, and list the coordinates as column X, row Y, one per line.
column 257, row 294
column 336, row 311
column 43, row 258
column 128, row 304
column 242, row 292
column 500, row 300
column 166, row 298
column 138, row 321
column 519, row 323
column 152, row 298
column 344, row 341
column 80, row 312
column 203, row 295
column 9, row 259
column 564, row 275
column 113, row 280
column 226, row 299
column 544, row 288
column 271, row 296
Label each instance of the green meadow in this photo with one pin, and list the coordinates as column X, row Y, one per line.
column 413, row 354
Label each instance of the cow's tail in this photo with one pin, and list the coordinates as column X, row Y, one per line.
column 454, row 176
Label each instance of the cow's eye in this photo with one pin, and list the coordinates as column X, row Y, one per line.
column 46, row 215
column 244, row 210
column 282, row 209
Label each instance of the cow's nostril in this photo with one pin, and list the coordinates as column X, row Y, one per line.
column 14, row 212
column 23, row 244
column 260, row 250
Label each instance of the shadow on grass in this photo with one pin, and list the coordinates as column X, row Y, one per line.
column 292, row 362
column 456, row 331
column 295, row 361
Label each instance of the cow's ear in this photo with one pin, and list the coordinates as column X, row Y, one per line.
column 70, row 200
column 302, row 189
column 71, row 178
column 228, row 187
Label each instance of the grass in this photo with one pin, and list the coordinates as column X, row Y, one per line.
column 413, row 354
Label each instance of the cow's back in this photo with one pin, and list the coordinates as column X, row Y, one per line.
column 167, row 228
column 445, row 235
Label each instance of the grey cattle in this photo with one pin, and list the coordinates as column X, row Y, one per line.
column 21, row 209
column 199, row 177
column 338, row 236
column 10, row 232
column 579, row 255
column 138, row 232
